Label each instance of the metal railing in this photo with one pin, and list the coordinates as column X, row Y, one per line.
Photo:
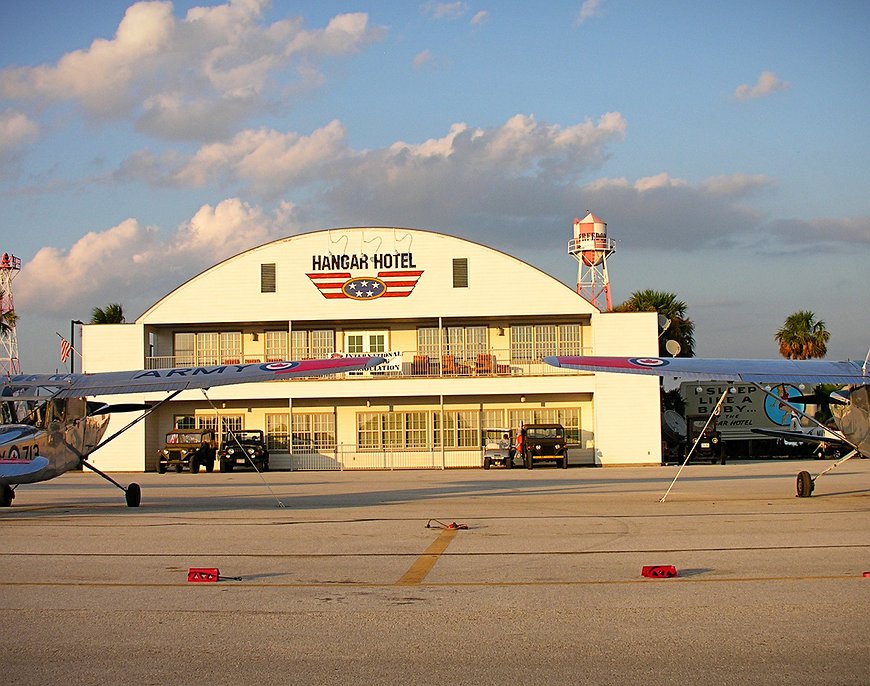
column 350, row 457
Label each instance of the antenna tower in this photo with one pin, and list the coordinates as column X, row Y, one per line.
column 591, row 247
column 9, row 364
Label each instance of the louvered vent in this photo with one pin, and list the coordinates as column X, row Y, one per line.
column 460, row 272
column 267, row 278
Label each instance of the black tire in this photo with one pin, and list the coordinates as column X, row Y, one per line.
column 565, row 462
column 529, row 462
column 7, row 495
column 265, row 467
column 209, row 466
column 193, row 465
column 805, row 485
column 161, row 468
column 179, row 468
column 226, row 466
column 133, row 495
column 486, row 462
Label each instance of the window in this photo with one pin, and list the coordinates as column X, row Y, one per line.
column 267, row 278
column 461, row 429
column 276, row 345
column 185, row 349
column 228, row 422
column 312, row 345
column 391, row 430
column 460, row 272
column 208, row 348
column 365, row 342
column 312, row 432
column 533, row 342
column 464, row 342
column 278, row 432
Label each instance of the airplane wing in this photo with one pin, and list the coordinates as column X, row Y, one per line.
column 828, row 437
column 758, row 371
column 143, row 381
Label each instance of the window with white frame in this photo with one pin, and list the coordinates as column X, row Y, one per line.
column 208, row 348
column 276, row 345
column 313, row 432
column 316, row 344
column 534, row 342
column 228, row 422
column 278, row 432
column 461, row 429
column 568, row 417
column 392, row 430
column 463, row 342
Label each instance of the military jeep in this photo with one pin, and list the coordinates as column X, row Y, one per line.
column 710, row 444
column 187, row 448
column 542, row 442
column 244, row 449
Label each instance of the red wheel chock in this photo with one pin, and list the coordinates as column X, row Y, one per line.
column 659, row 571
column 201, row 574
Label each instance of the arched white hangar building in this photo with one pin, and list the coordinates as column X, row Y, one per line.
column 463, row 328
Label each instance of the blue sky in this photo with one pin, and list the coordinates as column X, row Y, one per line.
column 724, row 143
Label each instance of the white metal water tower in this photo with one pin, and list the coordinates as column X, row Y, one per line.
column 591, row 247
column 9, row 364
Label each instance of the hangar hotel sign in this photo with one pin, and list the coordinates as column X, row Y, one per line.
column 376, row 275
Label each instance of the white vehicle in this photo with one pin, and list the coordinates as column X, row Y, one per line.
column 498, row 448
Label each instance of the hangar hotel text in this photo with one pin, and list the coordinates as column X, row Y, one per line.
column 463, row 328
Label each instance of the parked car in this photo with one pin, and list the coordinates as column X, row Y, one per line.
column 244, row 450
column 543, row 442
column 187, row 448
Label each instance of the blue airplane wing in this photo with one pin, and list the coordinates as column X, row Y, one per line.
column 148, row 380
column 759, row 371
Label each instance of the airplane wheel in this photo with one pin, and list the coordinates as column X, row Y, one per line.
column 133, row 495
column 7, row 496
column 805, row 485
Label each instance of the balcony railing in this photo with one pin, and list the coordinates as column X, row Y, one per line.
column 411, row 364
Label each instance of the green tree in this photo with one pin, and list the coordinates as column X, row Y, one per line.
column 802, row 337
column 681, row 328
column 112, row 313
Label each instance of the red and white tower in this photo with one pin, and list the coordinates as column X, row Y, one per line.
column 9, row 364
column 591, row 247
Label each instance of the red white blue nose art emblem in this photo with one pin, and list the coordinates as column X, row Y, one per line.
column 648, row 362
column 364, row 288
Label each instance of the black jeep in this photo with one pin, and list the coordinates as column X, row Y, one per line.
column 544, row 442
column 710, row 444
column 189, row 448
column 244, row 449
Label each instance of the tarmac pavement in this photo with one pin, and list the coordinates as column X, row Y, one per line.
column 346, row 583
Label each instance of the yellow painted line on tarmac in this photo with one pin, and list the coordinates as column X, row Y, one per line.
column 423, row 564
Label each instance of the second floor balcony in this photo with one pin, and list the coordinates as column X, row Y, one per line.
column 411, row 364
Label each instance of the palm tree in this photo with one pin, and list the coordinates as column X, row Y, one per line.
column 681, row 328
column 802, row 337
column 112, row 313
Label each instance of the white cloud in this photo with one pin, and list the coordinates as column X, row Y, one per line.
column 268, row 161
column 767, row 83
column 129, row 263
column 479, row 18
column 215, row 65
column 445, row 10
column 421, row 58
column 17, row 131
column 589, row 9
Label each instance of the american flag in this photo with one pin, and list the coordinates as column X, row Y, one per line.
column 387, row 284
column 65, row 349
